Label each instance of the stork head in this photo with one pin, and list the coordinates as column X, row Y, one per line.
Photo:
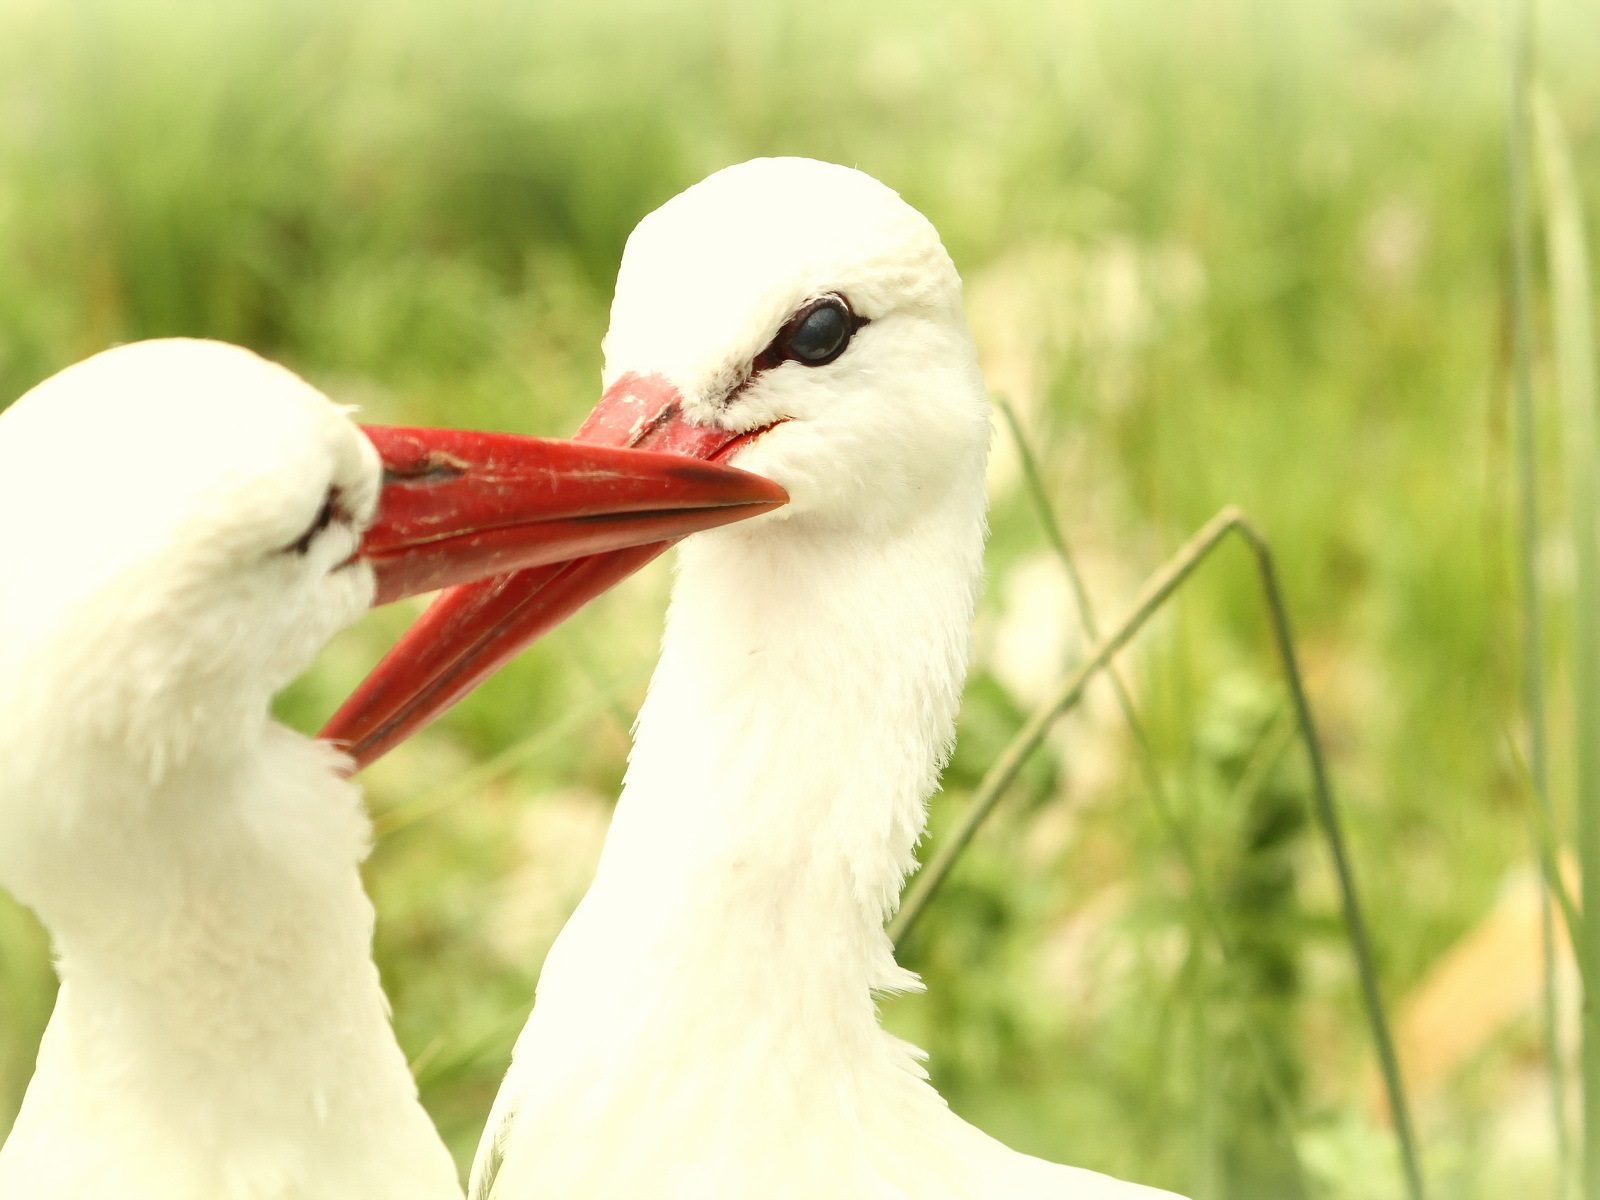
column 185, row 524
column 801, row 316
column 794, row 316
column 181, row 526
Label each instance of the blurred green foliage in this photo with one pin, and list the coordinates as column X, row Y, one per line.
column 1231, row 250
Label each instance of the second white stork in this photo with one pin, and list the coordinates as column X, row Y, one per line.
column 183, row 526
column 706, row 1025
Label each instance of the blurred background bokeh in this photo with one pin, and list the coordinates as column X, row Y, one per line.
column 1215, row 251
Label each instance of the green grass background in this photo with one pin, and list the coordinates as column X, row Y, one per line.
column 1217, row 251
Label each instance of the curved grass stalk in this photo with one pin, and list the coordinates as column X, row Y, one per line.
column 1177, row 833
column 1158, row 588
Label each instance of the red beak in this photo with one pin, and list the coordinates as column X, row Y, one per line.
column 472, row 630
column 460, row 505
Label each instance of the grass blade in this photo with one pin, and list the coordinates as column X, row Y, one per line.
column 1282, row 1106
column 1040, row 499
column 473, row 782
column 1544, row 844
column 1003, row 773
column 1533, row 693
column 1004, row 770
column 1572, row 322
column 1328, row 817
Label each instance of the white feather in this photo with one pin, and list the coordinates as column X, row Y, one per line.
column 220, row 1032
column 705, row 1026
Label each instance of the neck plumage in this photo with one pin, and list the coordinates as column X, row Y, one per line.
column 713, row 995
column 804, row 703
column 219, row 1010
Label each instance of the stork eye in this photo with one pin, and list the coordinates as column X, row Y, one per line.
column 325, row 517
column 819, row 332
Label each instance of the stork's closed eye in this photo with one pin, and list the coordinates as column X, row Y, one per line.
column 325, row 517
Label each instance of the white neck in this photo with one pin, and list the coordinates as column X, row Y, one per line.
column 804, row 703
column 730, row 947
column 220, row 1029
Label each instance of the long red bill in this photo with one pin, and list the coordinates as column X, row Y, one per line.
column 471, row 631
column 459, row 505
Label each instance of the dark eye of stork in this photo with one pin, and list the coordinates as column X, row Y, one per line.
column 325, row 517
column 819, row 333
column 814, row 336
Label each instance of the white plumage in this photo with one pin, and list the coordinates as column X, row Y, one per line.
column 220, row 1032
column 705, row 1027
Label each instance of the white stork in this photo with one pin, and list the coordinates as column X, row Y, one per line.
column 184, row 525
column 705, row 1027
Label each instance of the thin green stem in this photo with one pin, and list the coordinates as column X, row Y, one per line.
column 1521, row 237
column 1544, row 845
column 1572, row 323
column 1080, row 594
column 1200, row 888
column 1328, row 816
column 1266, row 755
column 1003, row 773
column 474, row 781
